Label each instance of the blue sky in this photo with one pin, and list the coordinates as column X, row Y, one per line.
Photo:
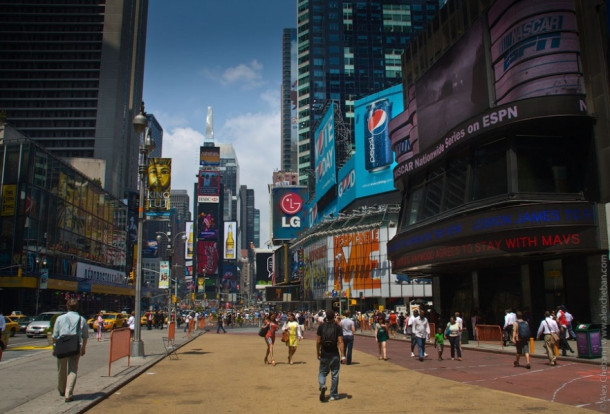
column 226, row 54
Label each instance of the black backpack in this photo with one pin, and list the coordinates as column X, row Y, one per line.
column 329, row 335
column 524, row 330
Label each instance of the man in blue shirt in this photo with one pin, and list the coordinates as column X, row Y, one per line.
column 70, row 323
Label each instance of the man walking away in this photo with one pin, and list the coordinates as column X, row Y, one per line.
column 331, row 353
column 548, row 326
column 347, row 324
column 70, row 323
column 521, row 339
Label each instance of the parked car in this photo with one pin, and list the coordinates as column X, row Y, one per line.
column 111, row 321
column 40, row 324
column 11, row 325
column 23, row 322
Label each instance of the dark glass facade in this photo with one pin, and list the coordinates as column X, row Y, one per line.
column 57, row 222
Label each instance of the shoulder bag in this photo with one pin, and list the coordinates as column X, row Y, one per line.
column 286, row 336
column 68, row 345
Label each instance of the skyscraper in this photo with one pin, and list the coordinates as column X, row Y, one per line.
column 229, row 178
column 246, row 217
column 289, row 100
column 348, row 49
column 71, row 78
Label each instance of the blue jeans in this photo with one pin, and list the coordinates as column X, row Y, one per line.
column 219, row 328
column 421, row 343
column 330, row 363
column 348, row 340
column 455, row 346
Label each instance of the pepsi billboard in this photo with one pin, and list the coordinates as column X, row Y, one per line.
column 288, row 211
column 325, row 153
column 374, row 159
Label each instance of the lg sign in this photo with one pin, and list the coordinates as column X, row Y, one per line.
column 291, row 204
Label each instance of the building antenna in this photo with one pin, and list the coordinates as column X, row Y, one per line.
column 209, row 125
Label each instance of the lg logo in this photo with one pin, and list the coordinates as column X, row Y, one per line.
column 291, row 204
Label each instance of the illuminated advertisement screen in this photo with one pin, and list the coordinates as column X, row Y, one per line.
column 230, row 278
column 209, row 156
column 346, row 185
column 288, row 211
column 188, row 243
column 207, row 221
column 325, row 153
column 374, row 158
column 264, row 268
column 207, row 257
column 230, row 240
column 208, row 186
column 453, row 89
column 158, row 188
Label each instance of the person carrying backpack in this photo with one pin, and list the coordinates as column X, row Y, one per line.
column 331, row 353
column 521, row 339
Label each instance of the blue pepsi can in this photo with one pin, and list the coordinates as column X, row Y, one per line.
column 377, row 145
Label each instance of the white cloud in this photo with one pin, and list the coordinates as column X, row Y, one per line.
column 255, row 138
column 247, row 74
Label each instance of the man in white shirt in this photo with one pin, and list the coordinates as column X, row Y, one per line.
column 509, row 319
column 548, row 326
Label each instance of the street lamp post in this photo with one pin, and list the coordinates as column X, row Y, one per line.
column 170, row 249
column 147, row 144
column 340, row 284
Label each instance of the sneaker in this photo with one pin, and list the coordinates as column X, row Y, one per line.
column 333, row 398
column 528, row 366
column 412, row 354
column 322, row 391
column 515, row 364
column 425, row 355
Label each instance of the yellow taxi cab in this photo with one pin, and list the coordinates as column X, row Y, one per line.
column 11, row 325
column 111, row 321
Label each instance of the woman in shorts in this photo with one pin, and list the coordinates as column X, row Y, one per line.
column 270, row 338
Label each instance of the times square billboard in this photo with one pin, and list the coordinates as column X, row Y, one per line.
column 374, row 159
column 288, row 211
column 534, row 72
column 325, row 167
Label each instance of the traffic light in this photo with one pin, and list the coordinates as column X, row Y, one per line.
column 131, row 277
column 19, row 272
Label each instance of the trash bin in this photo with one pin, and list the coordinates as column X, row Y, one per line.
column 464, row 336
column 588, row 341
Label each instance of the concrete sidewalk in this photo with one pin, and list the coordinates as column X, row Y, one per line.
column 92, row 386
column 226, row 374
column 539, row 350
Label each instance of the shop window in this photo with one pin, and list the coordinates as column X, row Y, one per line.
column 544, row 165
column 413, row 206
column 455, row 182
column 489, row 171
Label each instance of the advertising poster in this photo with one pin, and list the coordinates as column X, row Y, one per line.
column 164, row 274
column 209, row 156
column 189, row 244
column 158, row 188
column 325, row 153
column 207, row 257
column 374, row 159
column 288, row 212
column 208, row 186
column 230, row 237
column 207, row 222
column 230, row 278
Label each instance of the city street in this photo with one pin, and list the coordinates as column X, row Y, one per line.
column 229, row 365
column 231, row 371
